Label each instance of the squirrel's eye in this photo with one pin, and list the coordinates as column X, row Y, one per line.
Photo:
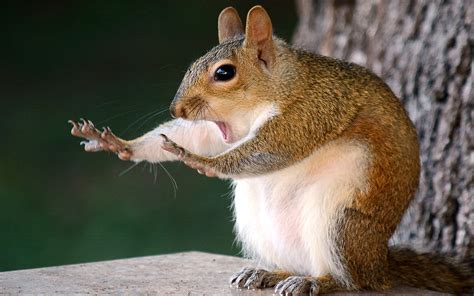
column 224, row 73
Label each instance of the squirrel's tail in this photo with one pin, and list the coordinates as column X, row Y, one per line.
column 431, row 271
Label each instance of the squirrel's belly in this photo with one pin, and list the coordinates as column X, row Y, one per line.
column 266, row 232
column 285, row 219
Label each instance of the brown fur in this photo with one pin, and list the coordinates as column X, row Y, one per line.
column 320, row 99
column 437, row 272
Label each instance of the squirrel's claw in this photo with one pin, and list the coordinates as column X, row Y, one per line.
column 110, row 141
column 75, row 131
column 298, row 285
column 174, row 148
column 240, row 278
column 84, row 129
column 99, row 141
column 253, row 278
column 185, row 156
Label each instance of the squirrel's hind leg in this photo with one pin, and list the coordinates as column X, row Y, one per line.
column 252, row 278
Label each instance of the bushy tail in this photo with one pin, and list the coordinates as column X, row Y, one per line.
column 431, row 271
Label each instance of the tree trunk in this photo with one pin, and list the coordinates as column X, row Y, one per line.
column 423, row 49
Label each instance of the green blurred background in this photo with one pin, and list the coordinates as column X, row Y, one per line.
column 113, row 62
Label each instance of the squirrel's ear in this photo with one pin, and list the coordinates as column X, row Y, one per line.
column 258, row 33
column 229, row 24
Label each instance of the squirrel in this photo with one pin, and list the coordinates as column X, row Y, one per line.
column 323, row 158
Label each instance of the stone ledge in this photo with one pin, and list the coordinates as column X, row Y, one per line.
column 190, row 273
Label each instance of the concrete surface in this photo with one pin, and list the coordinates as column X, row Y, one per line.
column 190, row 273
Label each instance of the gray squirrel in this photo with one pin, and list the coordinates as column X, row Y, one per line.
column 323, row 158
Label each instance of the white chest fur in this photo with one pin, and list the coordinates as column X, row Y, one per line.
column 284, row 219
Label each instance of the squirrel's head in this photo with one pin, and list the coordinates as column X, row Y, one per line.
column 233, row 84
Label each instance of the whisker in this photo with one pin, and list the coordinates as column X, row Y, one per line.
column 142, row 117
column 151, row 117
column 129, row 169
column 173, row 181
column 194, row 105
column 144, row 167
column 116, row 116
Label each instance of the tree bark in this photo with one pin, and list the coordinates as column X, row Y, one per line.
column 423, row 49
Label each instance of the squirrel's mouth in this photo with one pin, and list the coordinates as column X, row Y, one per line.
column 225, row 130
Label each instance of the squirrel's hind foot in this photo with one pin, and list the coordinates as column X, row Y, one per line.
column 298, row 285
column 252, row 278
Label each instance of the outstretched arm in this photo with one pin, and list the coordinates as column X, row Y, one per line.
column 201, row 137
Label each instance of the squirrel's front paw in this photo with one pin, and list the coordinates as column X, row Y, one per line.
column 99, row 141
column 187, row 157
column 298, row 285
column 174, row 148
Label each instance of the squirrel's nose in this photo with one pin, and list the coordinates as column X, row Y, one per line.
column 173, row 110
column 177, row 110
